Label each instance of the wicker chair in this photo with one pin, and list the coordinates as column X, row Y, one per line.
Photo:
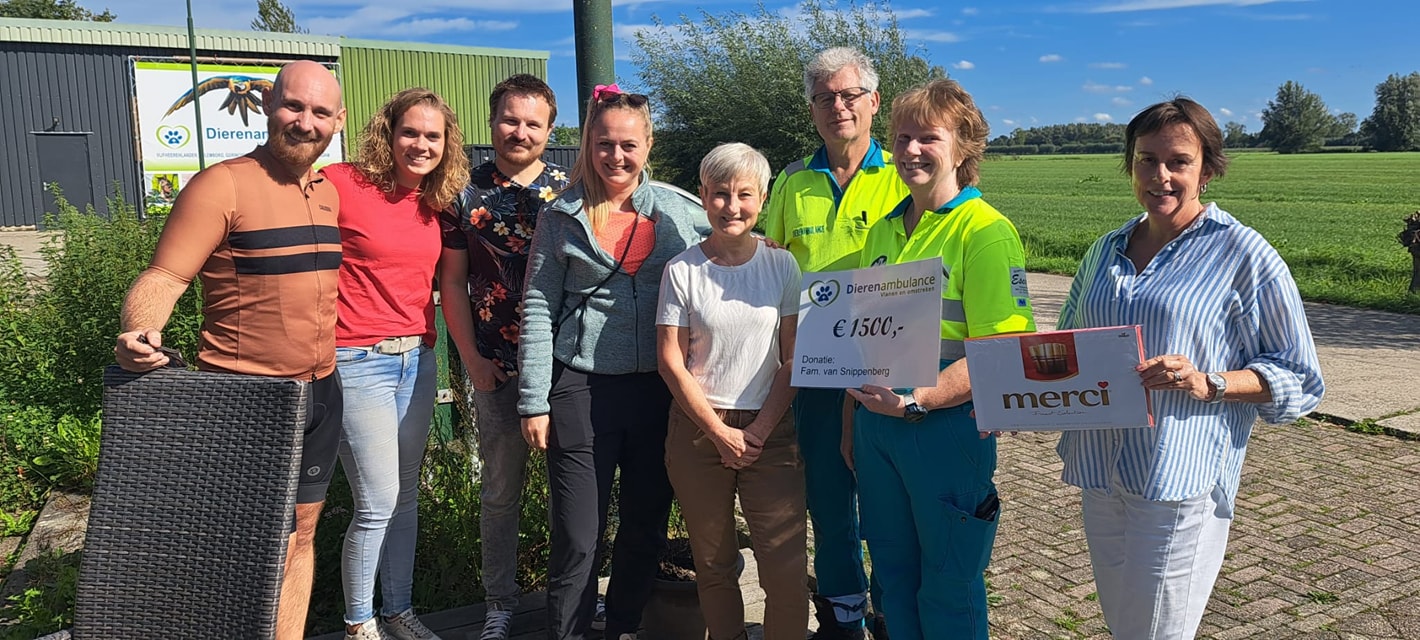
column 192, row 507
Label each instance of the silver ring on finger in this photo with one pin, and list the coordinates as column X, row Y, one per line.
column 1173, row 376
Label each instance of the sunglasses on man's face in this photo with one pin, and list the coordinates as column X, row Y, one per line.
column 633, row 100
column 826, row 99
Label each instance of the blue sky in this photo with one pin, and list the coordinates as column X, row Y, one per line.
column 1027, row 62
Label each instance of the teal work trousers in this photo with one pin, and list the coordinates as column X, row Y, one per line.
column 930, row 520
column 832, row 494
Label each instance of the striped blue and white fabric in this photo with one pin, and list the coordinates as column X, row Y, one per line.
column 1220, row 295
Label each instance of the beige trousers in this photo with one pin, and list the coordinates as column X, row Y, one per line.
column 771, row 493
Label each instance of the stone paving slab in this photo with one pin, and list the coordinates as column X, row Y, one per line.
column 1407, row 424
column 1323, row 546
column 27, row 245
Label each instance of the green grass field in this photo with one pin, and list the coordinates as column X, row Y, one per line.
column 1333, row 217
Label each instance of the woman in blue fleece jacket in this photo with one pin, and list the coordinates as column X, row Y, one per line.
column 588, row 388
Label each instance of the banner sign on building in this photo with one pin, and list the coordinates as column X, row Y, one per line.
column 232, row 121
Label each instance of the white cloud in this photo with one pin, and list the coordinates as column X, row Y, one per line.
column 1146, row 81
column 970, row 11
column 1095, row 87
column 964, row 65
column 1225, row 112
column 1155, row 5
column 1008, row 122
column 930, row 36
column 1082, row 119
column 909, row 14
column 364, row 21
column 1107, row 65
column 1103, row 117
column 439, row 25
column 1121, row 102
column 1051, row 57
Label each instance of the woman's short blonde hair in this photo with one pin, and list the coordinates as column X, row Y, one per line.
column 944, row 103
column 732, row 160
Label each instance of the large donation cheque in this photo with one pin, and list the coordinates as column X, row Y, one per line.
column 878, row 325
column 1059, row 380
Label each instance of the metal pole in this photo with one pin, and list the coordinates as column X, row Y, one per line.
column 196, row 99
column 596, row 60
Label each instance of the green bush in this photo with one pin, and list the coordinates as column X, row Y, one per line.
column 46, row 604
column 92, row 262
column 22, row 488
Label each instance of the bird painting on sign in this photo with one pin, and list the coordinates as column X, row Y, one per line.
column 244, row 94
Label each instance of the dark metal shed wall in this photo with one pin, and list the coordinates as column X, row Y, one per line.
column 88, row 88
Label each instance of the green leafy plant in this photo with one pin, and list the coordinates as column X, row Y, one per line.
column 22, row 488
column 46, row 604
column 17, row 524
column 71, row 452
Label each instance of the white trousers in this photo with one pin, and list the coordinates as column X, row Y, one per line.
column 1155, row 562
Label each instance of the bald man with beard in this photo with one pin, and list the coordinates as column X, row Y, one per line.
column 270, row 218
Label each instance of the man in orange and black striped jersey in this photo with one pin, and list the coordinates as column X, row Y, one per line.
column 260, row 231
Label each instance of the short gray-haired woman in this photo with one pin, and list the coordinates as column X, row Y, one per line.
column 729, row 309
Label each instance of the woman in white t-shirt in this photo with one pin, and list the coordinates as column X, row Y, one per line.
column 725, row 337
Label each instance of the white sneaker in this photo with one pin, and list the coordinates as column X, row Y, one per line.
column 496, row 623
column 627, row 636
column 406, row 626
column 370, row 630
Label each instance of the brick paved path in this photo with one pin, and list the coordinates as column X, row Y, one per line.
column 1326, row 543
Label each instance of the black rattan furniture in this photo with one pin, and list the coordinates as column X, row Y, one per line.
column 192, row 506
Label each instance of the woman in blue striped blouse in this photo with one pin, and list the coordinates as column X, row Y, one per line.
column 1226, row 342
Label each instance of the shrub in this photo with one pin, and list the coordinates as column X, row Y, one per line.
column 46, row 604
column 22, row 489
column 92, row 262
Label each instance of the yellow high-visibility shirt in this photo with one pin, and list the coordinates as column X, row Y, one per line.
column 822, row 224
column 984, row 288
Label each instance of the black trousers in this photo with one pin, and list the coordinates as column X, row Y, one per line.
column 602, row 424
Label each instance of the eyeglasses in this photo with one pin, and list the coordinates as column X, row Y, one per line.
column 826, row 99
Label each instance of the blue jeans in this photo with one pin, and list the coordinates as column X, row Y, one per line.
column 932, row 521
column 502, row 471
column 389, row 402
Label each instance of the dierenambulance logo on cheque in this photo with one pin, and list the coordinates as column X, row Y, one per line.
column 824, row 292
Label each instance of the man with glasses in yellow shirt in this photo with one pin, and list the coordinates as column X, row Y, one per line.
column 820, row 209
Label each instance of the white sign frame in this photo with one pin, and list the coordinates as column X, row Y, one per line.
column 166, row 121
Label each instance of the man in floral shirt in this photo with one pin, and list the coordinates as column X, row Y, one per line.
column 486, row 238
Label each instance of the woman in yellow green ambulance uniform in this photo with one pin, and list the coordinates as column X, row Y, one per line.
column 931, row 522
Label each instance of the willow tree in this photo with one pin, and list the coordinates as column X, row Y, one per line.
column 738, row 77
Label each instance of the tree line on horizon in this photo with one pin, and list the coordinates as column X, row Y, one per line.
column 1295, row 121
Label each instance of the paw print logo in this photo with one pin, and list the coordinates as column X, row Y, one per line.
column 823, row 292
column 173, row 137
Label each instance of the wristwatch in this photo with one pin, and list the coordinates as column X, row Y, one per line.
column 913, row 412
column 1219, row 385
